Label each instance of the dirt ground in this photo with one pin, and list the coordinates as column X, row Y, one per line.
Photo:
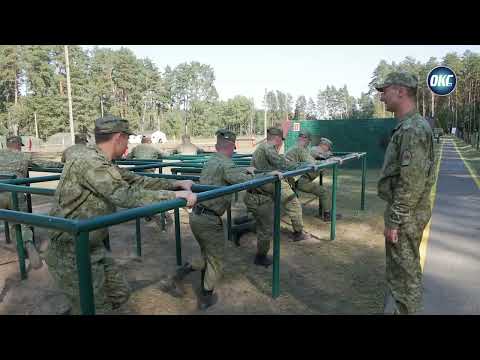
column 344, row 276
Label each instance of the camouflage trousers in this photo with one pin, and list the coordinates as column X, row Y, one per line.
column 261, row 206
column 403, row 270
column 291, row 206
column 6, row 203
column 310, row 186
column 208, row 231
column 110, row 288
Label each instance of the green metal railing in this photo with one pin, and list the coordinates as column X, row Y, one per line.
column 80, row 228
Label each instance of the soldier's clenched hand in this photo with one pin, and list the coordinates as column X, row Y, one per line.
column 187, row 195
column 277, row 174
column 391, row 235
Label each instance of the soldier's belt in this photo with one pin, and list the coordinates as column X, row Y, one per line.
column 199, row 210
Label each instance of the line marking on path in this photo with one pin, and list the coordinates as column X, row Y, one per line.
column 433, row 194
column 470, row 170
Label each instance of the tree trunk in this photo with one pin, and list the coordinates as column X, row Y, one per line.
column 69, row 93
column 143, row 115
column 36, row 124
column 101, row 104
column 16, row 85
column 423, row 103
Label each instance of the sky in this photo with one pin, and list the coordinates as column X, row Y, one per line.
column 296, row 69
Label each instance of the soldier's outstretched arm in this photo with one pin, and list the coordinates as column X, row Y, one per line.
column 36, row 161
column 414, row 168
column 235, row 175
column 145, row 181
column 107, row 181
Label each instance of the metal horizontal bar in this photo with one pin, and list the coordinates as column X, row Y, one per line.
column 37, row 179
column 49, row 170
column 169, row 176
column 187, row 170
column 50, row 222
column 26, row 189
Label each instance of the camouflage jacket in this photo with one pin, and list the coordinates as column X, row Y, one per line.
column 74, row 150
column 16, row 162
column 145, row 151
column 221, row 171
column 298, row 155
column 407, row 174
column 266, row 158
column 318, row 154
column 91, row 186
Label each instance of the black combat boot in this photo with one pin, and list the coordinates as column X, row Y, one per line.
column 300, row 236
column 327, row 216
column 183, row 271
column 206, row 298
column 262, row 260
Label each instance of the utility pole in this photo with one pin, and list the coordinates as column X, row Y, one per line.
column 69, row 93
column 36, row 124
column 265, row 115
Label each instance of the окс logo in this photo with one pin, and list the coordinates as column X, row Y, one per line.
column 442, row 80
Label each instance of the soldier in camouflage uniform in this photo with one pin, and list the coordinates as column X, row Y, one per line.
column 405, row 184
column 92, row 186
column 145, row 150
column 186, row 147
column 78, row 148
column 305, row 182
column 205, row 219
column 267, row 158
column 15, row 162
column 323, row 150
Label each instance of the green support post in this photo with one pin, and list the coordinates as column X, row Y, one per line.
column 178, row 240
column 139, row 237
column 163, row 221
column 276, row 242
column 236, row 196
column 333, row 213
column 320, row 209
column 364, row 178
column 107, row 243
column 84, row 268
column 229, row 223
column 7, row 232
column 18, row 234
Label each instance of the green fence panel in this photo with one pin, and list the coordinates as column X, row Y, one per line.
column 359, row 135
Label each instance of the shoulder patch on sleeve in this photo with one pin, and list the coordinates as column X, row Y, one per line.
column 406, row 157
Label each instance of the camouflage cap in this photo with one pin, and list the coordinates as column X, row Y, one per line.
column 227, row 135
column 398, row 78
column 326, row 142
column 15, row 139
column 306, row 134
column 275, row 132
column 111, row 124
